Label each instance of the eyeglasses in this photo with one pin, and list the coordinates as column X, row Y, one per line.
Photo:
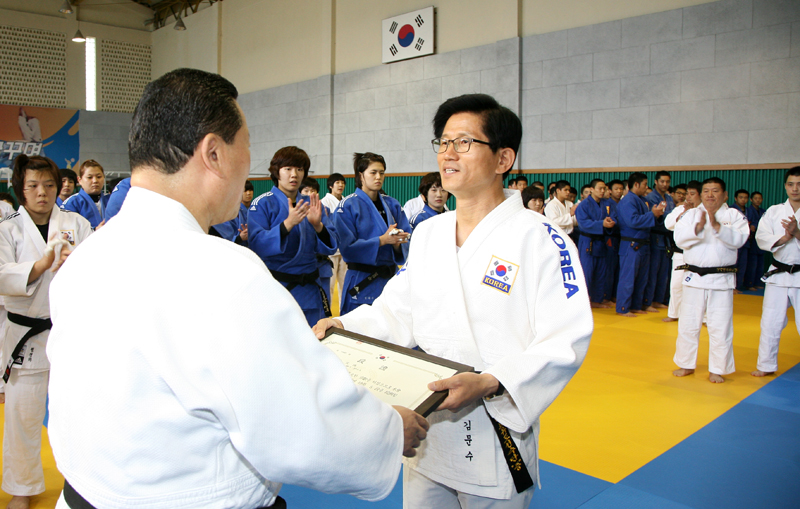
column 460, row 145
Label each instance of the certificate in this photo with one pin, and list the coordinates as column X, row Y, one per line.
column 396, row 375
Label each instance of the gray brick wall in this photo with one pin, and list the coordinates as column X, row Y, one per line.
column 717, row 83
column 104, row 138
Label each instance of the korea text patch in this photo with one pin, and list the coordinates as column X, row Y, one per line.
column 500, row 274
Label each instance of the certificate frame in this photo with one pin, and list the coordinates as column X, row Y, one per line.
column 433, row 401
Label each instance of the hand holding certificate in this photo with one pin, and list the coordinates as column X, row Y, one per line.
column 396, row 375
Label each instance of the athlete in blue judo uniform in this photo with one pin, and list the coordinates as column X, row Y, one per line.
column 655, row 293
column 288, row 237
column 755, row 256
column 595, row 221
column 366, row 239
column 612, row 242
column 743, row 254
column 117, row 197
column 635, row 221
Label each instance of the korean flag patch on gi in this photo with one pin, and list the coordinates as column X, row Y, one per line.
column 500, row 274
column 69, row 236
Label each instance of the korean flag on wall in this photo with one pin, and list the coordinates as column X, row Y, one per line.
column 408, row 35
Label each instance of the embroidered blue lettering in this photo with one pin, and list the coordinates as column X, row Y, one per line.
column 567, row 271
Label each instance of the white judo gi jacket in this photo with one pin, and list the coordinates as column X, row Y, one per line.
column 512, row 302
column 198, row 382
column 21, row 245
column 711, row 248
column 770, row 230
column 559, row 214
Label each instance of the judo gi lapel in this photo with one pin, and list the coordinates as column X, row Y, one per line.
column 377, row 220
column 495, row 218
column 32, row 232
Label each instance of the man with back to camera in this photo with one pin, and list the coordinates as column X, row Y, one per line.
column 635, row 221
column 655, row 293
column 709, row 235
column 494, row 263
column 161, row 394
column 779, row 233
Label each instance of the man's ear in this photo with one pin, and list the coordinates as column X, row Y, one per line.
column 506, row 160
column 211, row 150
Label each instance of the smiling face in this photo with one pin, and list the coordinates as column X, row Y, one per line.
column 372, row 178
column 713, row 196
column 40, row 191
column 470, row 173
column 92, row 180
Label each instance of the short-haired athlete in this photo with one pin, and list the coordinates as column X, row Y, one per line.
column 511, row 301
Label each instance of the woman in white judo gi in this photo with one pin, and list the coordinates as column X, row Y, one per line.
column 710, row 236
column 511, row 301
column 371, row 228
column 778, row 232
column 39, row 236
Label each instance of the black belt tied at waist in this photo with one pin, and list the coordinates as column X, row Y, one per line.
column 780, row 267
column 703, row 271
column 310, row 278
column 375, row 272
column 516, row 465
column 37, row 326
column 644, row 242
column 594, row 236
column 75, row 501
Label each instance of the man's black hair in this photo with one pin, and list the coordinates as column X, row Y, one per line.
column 715, row 180
column 585, row 187
column 248, row 186
column 519, row 178
column 176, row 112
column 561, row 184
column 756, row 193
column 740, row 191
column 8, row 198
column 594, row 183
column 662, row 173
column 309, row 182
column 502, row 127
column 696, row 185
column 538, row 183
column 791, row 172
column 635, row 178
column 334, row 178
column 679, row 186
column 615, row 182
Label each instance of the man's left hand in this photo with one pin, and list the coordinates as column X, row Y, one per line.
column 464, row 389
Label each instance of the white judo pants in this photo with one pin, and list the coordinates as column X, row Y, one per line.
column 420, row 492
column 718, row 306
column 773, row 321
column 26, row 400
column 676, row 286
column 339, row 271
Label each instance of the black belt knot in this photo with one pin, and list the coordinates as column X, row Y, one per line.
column 781, row 267
column 375, row 272
column 37, row 326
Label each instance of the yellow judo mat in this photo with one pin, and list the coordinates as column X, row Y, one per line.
column 623, row 408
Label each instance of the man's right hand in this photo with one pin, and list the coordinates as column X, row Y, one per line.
column 415, row 429
column 658, row 210
column 700, row 224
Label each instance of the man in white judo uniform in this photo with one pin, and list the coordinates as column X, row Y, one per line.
column 560, row 210
column 195, row 381
column 710, row 236
column 30, row 240
column 692, row 200
column 511, row 301
column 778, row 232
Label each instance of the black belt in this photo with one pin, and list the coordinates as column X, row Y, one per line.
column 324, row 260
column 37, row 326
column 594, row 236
column 644, row 242
column 781, row 267
column 310, row 278
column 375, row 271
column 75, row 501
column 703, row 271
column 516, row 465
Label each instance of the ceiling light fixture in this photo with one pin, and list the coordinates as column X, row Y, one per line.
column 78, row 37
column 66, row 8
column 179, row 25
